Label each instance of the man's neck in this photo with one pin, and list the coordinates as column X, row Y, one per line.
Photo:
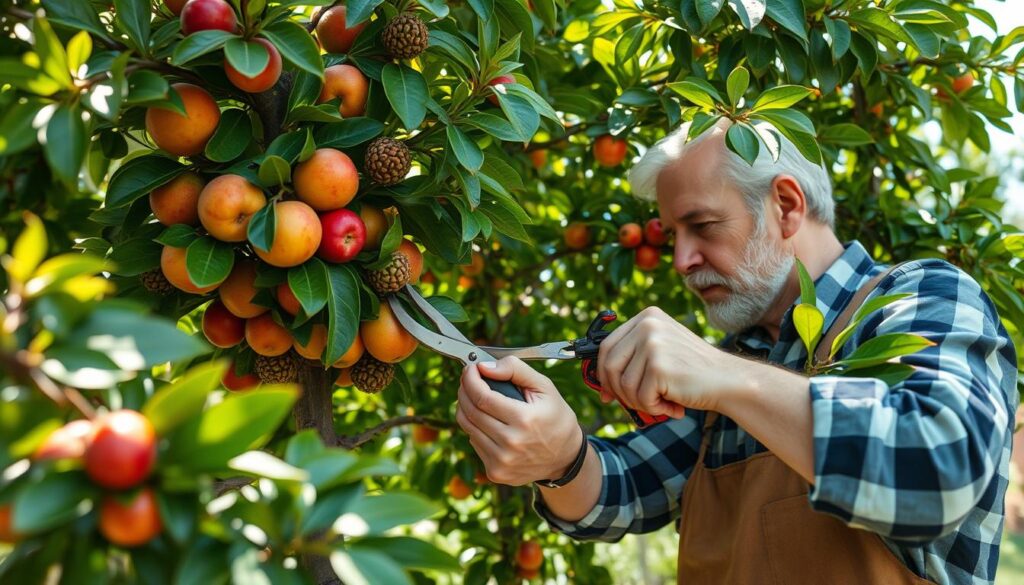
column 818, row 248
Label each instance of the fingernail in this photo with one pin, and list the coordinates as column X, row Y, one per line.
column 488, row 365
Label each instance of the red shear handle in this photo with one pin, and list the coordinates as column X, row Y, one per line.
column 641, row 419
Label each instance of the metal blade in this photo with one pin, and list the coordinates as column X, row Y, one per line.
column 466, row 352
column 556, row 350
column 443, row 325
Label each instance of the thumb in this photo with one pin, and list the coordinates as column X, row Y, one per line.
column 516, row 371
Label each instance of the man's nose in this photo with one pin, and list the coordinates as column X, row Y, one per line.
column 687, row 256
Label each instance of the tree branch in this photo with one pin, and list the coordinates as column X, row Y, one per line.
column 354, row 441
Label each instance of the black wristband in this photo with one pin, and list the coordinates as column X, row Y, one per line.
column 574, row 469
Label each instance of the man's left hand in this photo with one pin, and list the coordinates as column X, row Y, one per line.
column 655, row 365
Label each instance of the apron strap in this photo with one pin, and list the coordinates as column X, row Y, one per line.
column 844, row 318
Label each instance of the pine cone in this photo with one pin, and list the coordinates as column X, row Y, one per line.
column 387, row 161
column 279, row 369
column 371, row 375
column 405, row 37
column 392, row 277
column 155, row 282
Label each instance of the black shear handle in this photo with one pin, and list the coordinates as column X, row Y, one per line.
column 505, row 388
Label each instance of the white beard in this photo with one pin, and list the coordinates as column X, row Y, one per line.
column 758, row 282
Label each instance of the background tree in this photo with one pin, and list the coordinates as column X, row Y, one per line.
column 260, row 171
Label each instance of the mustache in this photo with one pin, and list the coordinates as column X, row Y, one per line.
column 704, row 279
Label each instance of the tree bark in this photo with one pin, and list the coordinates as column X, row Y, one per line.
column 315, row 409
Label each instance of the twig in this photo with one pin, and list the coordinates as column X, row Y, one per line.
column 19, row 367
column 575, row 129
column 351, row 442
column 222, row 486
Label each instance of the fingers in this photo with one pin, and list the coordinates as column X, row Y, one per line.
column 482, row 421
column 519, row 373
column 611, row 364
column 475, row 390
column 484, row 445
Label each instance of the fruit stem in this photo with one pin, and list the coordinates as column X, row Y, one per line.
column 351, row 442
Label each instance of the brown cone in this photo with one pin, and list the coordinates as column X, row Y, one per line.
column 280, row 369
column 405, row 37
column 392, row 277
column 387, row 161
column 155, row 282
column 372, row 375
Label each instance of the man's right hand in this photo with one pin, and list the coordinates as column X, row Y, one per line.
column 518, row 442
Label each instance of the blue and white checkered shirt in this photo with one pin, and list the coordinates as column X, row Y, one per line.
column 924, row 464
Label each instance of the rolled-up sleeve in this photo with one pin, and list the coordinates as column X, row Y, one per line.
column 911, row 461
column 642, row 481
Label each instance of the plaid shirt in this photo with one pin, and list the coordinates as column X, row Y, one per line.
column 924, row 464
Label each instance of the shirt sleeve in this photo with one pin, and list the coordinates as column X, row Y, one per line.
column 911, row 461
column 642, row 481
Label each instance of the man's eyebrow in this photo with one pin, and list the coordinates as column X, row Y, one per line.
column 691, row 215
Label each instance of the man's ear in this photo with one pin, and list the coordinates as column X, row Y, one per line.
column 790, row 204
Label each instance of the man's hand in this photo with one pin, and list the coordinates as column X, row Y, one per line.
column 655, row 365
column 518, row 442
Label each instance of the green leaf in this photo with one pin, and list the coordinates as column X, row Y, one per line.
column 309, row 283
column 789, row 123
column 840, row 34
column 707, row 10
column 79, row 48
column 296, row 46
column 52, row 56
column 454, row 47
column 132, row 339
column 392, row 509
column 54, row 500
column 790, row 15
column 466, row 150
column 133, row 16
column 883, row 348
column 263, row 228
column 209, row 261
column 138, row 177
column 65, row 143
column 146, row 86
column 743, row 141
column 359, row 11
column 232, row 136
column 698, row 92
column 348, row 132
column 16, row 131
column 342, row 310
column 411, row 553
column 889, row 373
column 274, row 171
column 239, row 423
column 29, row 249
column 303, row 446
column 407, row 91
column 263, row 464
column 75, row 16
column 493, row 125
column 780, row 97
column 184, row 398
column 248, row 57
column 198, row 44
column 56, row 271
column 808, row 321
column 522, row 116
column 739, row 81
column 751, row 12
column 807, row 293
column 448, row 308
column 845, row 135
column 367, row 567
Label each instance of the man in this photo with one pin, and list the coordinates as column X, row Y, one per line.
column 775, row 477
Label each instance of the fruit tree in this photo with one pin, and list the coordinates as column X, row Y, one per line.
column 202, row 203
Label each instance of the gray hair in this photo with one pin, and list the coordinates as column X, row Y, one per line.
column 754, row 182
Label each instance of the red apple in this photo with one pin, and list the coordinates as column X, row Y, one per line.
column 236, row 383
column 221, row 327
column 631, row 235
column 199, row 15
column 654, row 233
column 265, row 79
column 122, row 451
column 501, row 79
column 344, row 235
column 647, row 257
column 68, row 442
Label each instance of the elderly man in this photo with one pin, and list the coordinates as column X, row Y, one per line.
column 775, row 477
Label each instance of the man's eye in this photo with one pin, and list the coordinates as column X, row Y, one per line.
column 701, row 226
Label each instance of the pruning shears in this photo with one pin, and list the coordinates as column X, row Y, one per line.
column 450, row 342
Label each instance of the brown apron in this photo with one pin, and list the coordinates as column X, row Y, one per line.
column 750, row 522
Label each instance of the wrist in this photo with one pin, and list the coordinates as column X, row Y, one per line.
column 742, row 387
column 565, row 473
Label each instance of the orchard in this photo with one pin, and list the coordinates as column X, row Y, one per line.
column 203, row 204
